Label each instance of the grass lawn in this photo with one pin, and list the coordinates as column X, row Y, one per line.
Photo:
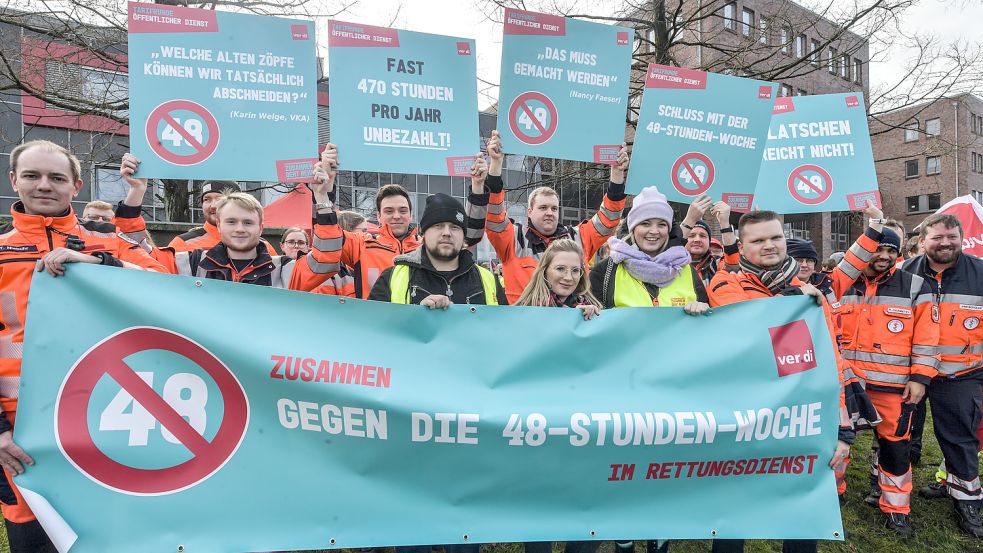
column 937, row 530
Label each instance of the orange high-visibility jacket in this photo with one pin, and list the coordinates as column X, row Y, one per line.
column 888, row 332
column 957, row 298
column 519, row 249
column 368, row 255
column 22, row 242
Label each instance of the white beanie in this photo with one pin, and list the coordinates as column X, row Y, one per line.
column 649, row 204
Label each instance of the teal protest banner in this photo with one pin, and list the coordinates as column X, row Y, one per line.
column 282, row 420
column 701, row 133
column 564, row 87
column 818, row 156
column 402, row 101
column 219, row 95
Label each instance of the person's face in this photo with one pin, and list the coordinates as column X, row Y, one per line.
column 942, row 245
column 294, row 243
column 650, row 235
column 884, row 258
column 716, row 250
column 395, row 212
column 362, row 227
column 97, row 214
column 563, row 273
column 208, row 203
column 697, row 242
column 807, row 266
column 43, row 182
column 764, row 243
column 239, row 228
column 545, row 213
column 444, row 241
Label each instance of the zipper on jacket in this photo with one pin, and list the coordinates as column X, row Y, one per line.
column 47, row 232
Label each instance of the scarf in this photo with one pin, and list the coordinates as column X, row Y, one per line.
column 660, row 270
column 776, row 279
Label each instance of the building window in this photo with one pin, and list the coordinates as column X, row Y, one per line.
column 801, row 92
column 977, row 195
column 800, row 46
column 94, row 88
column 832, row 58
column 911, row 169
column 923, row 203
column 814, row 55
column 911, row 131
column 747, row 20
column 785, row 34
column 730, row 12
column 786, row 90
column 933, row 165
column 977, row 162
column 845, row 67
column 858, row 71
column 933, row 127
column 110, row 186
column 763, row 30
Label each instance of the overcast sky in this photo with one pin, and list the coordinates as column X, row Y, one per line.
column 948, row 19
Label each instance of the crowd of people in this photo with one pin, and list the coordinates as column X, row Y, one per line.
column 904, row 313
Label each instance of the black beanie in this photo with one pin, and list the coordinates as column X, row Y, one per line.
column 890, row 239
column 701, row 224
column 442, row 208
column 802, row 249
column 220, row 186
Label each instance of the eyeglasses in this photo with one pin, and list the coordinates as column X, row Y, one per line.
column 297, row 243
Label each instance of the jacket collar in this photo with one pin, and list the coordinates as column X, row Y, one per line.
column 212, row 231
column 408, row 242
column 217, row 259
column 34, row 225
column 418, row 259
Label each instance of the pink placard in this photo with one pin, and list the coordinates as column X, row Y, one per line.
column 764, row 92
column 519, row 22
column 157, row 18
column 606, row 153
column 852, row 102
column 740, row 203
column 858, row 201
column 460, row 166
column 299, row 32
column 295, row 170
column 356, row 34
column 664, row 76
column 793, row 348
column 464, row 48
column 623, row 38
column 783, row 105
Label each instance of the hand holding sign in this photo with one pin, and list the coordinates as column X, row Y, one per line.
column 696, row 209
column 479, row 172
column 618, row 169
column 495, row 154
column 874, row 213
column 721, row 210
column 326, row 170
column 12, row 457
column 138, row 187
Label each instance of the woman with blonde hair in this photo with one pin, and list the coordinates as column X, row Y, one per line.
column 560, row 280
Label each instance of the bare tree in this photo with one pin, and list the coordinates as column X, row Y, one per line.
column 94, row 32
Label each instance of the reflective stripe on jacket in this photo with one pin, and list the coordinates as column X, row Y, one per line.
column 888, row 332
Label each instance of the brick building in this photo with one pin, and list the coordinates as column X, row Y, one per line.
column 776, row 40
column 928, row 154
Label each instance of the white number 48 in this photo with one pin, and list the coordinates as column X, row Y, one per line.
column 139, row 422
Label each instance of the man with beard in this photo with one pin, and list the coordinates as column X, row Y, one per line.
column 956, row 282
column 698, row 241
column 890, row 339
column 441, row 272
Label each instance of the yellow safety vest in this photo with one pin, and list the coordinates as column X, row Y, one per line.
column 631, row 292
column 399, row 285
